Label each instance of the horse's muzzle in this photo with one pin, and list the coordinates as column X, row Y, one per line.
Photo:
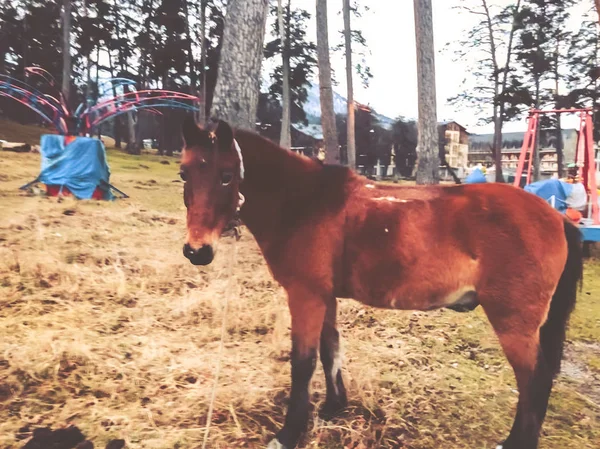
column 201, row 256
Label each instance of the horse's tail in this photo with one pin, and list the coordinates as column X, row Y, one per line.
column 553, row 332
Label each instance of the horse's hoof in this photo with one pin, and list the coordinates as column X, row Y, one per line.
column 331, row 410
column 275, row 444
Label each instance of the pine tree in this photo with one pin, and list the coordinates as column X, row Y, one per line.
column 238, row 82
column 286, row 139
column 584, row 70
column 538, row 51
column 427, row 151
column 497, row 89
column 330, row 138
column 350, row 128
column 66, row 50
column 302, row 56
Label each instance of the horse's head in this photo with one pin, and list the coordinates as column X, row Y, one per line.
column 212, row 168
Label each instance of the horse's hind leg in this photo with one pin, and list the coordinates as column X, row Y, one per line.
column 519, row 334
column 331, row 359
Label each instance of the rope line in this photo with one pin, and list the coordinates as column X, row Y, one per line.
column 230, row 291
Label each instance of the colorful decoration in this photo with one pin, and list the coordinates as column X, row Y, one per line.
column 55, row 110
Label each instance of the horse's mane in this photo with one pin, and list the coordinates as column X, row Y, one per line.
column 259, row 148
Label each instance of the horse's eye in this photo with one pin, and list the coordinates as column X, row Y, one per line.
column 226, row 178
column 182, row 174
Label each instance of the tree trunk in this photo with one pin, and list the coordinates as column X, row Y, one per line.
column 98, row 83
column 330, row 137
column 88, row 82
column 559, row 148
column 116, row 119
column 191, row 62
column 131, row 146
column 202, row 105
column 499, row 123
column 598, row 8
column 559, row 140
column 238, row 80
column 350, row 123
column 427, row 150
column 498, row 144
column 536, row 147
column 66, row 71
column 285, row 139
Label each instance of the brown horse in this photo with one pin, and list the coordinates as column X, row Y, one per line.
column 328, row 233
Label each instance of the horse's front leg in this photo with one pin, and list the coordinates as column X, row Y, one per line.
column 331, row 358
column 308, row 311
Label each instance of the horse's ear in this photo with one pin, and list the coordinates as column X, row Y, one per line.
column 190, row 131
column 224, row 134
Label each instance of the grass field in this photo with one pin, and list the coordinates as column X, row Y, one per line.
column 104, row 325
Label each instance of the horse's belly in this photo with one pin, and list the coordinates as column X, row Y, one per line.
column 460, row 299
column 425, row 284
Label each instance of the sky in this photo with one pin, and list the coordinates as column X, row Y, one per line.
column 389, row 30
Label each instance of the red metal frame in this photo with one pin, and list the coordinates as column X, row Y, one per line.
column 584, row 157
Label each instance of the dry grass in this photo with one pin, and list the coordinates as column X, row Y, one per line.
column 15, row 132
column 103, row 324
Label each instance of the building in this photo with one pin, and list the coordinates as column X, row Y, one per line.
column 480, row 150
column 454, row 139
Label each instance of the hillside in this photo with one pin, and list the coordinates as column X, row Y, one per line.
column 15, row 132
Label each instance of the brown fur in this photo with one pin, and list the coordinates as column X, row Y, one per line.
column 326, row 232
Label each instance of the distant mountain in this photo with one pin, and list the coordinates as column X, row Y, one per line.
column 312, row 107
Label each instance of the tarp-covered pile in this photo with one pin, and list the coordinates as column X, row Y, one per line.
column 79, row 167
column 561, row 194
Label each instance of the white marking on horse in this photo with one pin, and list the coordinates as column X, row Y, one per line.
column 391, row 199
column 239, row 152
column 456, row 295
column 336, row 367
column 370, row 186
column 275, row 444
column 387, row 230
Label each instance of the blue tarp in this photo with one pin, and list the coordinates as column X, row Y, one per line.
column 552, row 187
column 476, row 177
column 81, row 165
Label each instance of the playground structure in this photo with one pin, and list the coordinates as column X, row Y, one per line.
column 61, row 163
column 53, row 108
column 585, row 163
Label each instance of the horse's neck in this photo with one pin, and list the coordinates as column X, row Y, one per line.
column 272, row 176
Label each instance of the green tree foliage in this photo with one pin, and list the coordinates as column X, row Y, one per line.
column 584, row 69
column 153, row 42
column 303, row 61
column 360, row 46
column 492, row 86
column 542, row 37
column 541, row 42
column 30, row 34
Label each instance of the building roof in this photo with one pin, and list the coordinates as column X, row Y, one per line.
column 448, row 122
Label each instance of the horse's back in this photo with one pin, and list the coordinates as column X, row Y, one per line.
column 425, row 247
